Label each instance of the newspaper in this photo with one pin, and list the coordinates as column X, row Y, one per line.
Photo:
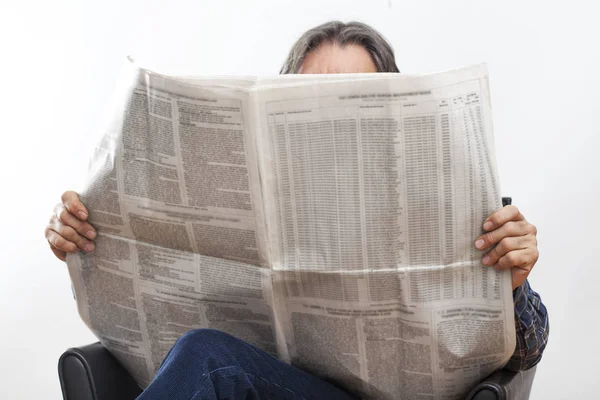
column 328, row 220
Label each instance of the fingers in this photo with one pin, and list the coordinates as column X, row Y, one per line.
column 520, row 263
column 513, row 243
column 60, row 243
column 509, row 229
column 71, row 201
column 505, row 246
column 67, row 218
column 70, row 235
column 67, row 231
column 502, row 216
column 524, row 258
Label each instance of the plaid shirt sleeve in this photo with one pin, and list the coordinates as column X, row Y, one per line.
column 531, row 320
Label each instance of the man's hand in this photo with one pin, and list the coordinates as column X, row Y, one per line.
column 67, row 231
column 515, row 240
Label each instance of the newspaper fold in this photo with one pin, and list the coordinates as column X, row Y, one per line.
column 328, row 220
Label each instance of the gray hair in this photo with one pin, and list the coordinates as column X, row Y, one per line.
column 337, row 32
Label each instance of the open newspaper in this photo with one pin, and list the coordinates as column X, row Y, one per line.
column 328, row 220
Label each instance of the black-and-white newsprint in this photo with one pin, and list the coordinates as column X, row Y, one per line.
column 328, row 220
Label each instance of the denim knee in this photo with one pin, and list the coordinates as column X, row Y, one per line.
column 205, row 349
column 213, row 346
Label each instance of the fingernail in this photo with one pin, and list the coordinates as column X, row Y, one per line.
column 82, row 215
column 91, row 234
column 485, row 260
column 479, row 243
column 89, row 247
column 487, row 226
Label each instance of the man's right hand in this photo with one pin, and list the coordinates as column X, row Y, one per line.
column 67, row 231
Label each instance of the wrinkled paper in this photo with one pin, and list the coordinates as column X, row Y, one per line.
column 327, row 219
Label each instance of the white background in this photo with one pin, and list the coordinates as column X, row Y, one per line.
column 60, row 61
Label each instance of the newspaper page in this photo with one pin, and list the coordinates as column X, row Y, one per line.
column 172, row 192
column 328, row 220
column 379, row 189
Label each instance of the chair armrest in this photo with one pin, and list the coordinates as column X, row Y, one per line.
column 92, row 373
column 504, row 385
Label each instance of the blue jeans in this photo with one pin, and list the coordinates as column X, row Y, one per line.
column 211, row 365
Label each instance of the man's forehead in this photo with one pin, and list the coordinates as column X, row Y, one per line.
column 335, row 59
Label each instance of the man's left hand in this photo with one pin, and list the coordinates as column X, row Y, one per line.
column 515, row 240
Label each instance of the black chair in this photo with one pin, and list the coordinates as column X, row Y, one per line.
column 92, row 373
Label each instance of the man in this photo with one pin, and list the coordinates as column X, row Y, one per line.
column 208, row 364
